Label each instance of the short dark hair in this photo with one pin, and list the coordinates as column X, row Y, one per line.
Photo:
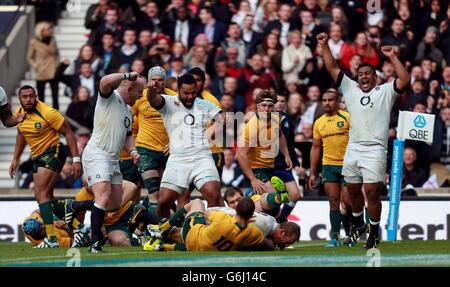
column 207, row 9
column 245, row 208
column 231, row 191
column 108, row 32
column 26, row 87
column 366, row 65
column 198, row 72
column 186, row 79
column 85, row 62
column 420, row 102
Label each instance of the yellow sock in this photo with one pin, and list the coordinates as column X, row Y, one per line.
column 165, row 226
column 169, row 247
column 51, row 231
column 277, row 199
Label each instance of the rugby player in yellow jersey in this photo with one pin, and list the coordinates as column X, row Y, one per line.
column 152, row 139
column 206, row 230
column 40, row 130
column 331, row 132
column 259, row 144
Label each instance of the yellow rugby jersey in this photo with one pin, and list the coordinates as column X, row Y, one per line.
column 334, row 132
column 62, row 235
column 111, row 218
column 40, row 128
column 263, row 140
column 152, row 133
column 222, row 234
column 207, row 96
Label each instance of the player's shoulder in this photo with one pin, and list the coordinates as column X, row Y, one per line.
column 170, row 92
column 211, row 98
column 343, row 114
column 45, row 109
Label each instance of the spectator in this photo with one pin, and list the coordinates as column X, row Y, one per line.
column 95, row 14
column 159, row 54
column 85, row 78
column 80, row 109
column 43, row 57
column 415, row 94
column 149, row 18
column 314, row 108
column 86, row 54
column 355, row 61
column 233, row 66
column 227, row 103
column 109, row 58
column 178, row 50
column 230, row 87
column 129, row 50
column 199, row 58
column 239, row 16
column 138, row 65
column 362, row 47
column 254, row 76
column 309, row 29
column 231, row 174
column 400, row 39
column 83, row 135
column 294, row 55
column 427, row 47
column 266, row 12
column 145, row 43
column 294, row 107
column 250, row 36
column 234, row 40
column 176, row 68
column 215, row 30
column 445, row 85
column 272, row 47
column 218, row 79
column 110, row 23
column 180, row 28
column 283, row 24
column 413, row 176
column 336, row 42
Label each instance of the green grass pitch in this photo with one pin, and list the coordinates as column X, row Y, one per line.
column 303, row 254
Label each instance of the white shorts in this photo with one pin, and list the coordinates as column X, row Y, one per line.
column 365, row 165
column 99, row 165
column 180, row 173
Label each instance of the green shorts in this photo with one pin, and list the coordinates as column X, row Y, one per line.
column 191, row 220
column 123, row 222
column 263, row 174
column 332, row 173
column 53, row 158
column 130, row 171
column 150, row 159
column 219, row 161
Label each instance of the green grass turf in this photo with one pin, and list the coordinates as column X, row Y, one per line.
column 305, row 253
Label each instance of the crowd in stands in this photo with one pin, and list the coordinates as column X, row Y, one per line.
column 248, row 45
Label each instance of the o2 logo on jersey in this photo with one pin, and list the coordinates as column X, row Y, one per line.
column 366, row 101
column 127, row 122
column 189, row 120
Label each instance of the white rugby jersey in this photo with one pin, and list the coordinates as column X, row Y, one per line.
column 369, row 112
column 112, row 123
column 3, row 97
column 186, row 128
column 265, row 222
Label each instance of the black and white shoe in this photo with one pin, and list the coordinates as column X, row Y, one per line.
column 356, row 233
column 96, row 247
column 372, row 242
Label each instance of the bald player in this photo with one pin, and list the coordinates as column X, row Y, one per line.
column 112, row 132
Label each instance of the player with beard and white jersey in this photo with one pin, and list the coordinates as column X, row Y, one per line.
column 369, row 107
column 112, row 132
column 185, row 118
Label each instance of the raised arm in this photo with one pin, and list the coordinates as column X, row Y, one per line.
column 404, row 78
column 8, row 119
column 155, row 99
column 330, row 62
column 109, row 82
column 72, row 143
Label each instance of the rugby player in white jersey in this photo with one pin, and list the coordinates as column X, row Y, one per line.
column 6, row 116
column 185, row 118
column 112, row 132
column 369, row 107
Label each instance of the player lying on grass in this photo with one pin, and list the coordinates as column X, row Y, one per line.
column 206, row 230
column 119, row 225
column 34, row 229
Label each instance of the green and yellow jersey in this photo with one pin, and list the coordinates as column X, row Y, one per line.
column 63, row 237
column 151, row 131
column 334, row 133
column 40, row 128
column 223, row 233
column 262, row 138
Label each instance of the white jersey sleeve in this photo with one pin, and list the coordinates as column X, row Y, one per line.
column 3, row 97
column 346, row 86
column 168, row 104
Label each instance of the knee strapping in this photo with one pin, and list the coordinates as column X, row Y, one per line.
column 152, row 184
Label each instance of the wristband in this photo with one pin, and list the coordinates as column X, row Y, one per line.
column 76, row 159
column 126, row 76
column 133, row 152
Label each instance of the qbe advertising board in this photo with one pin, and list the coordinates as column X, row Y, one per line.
column 418, row 220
